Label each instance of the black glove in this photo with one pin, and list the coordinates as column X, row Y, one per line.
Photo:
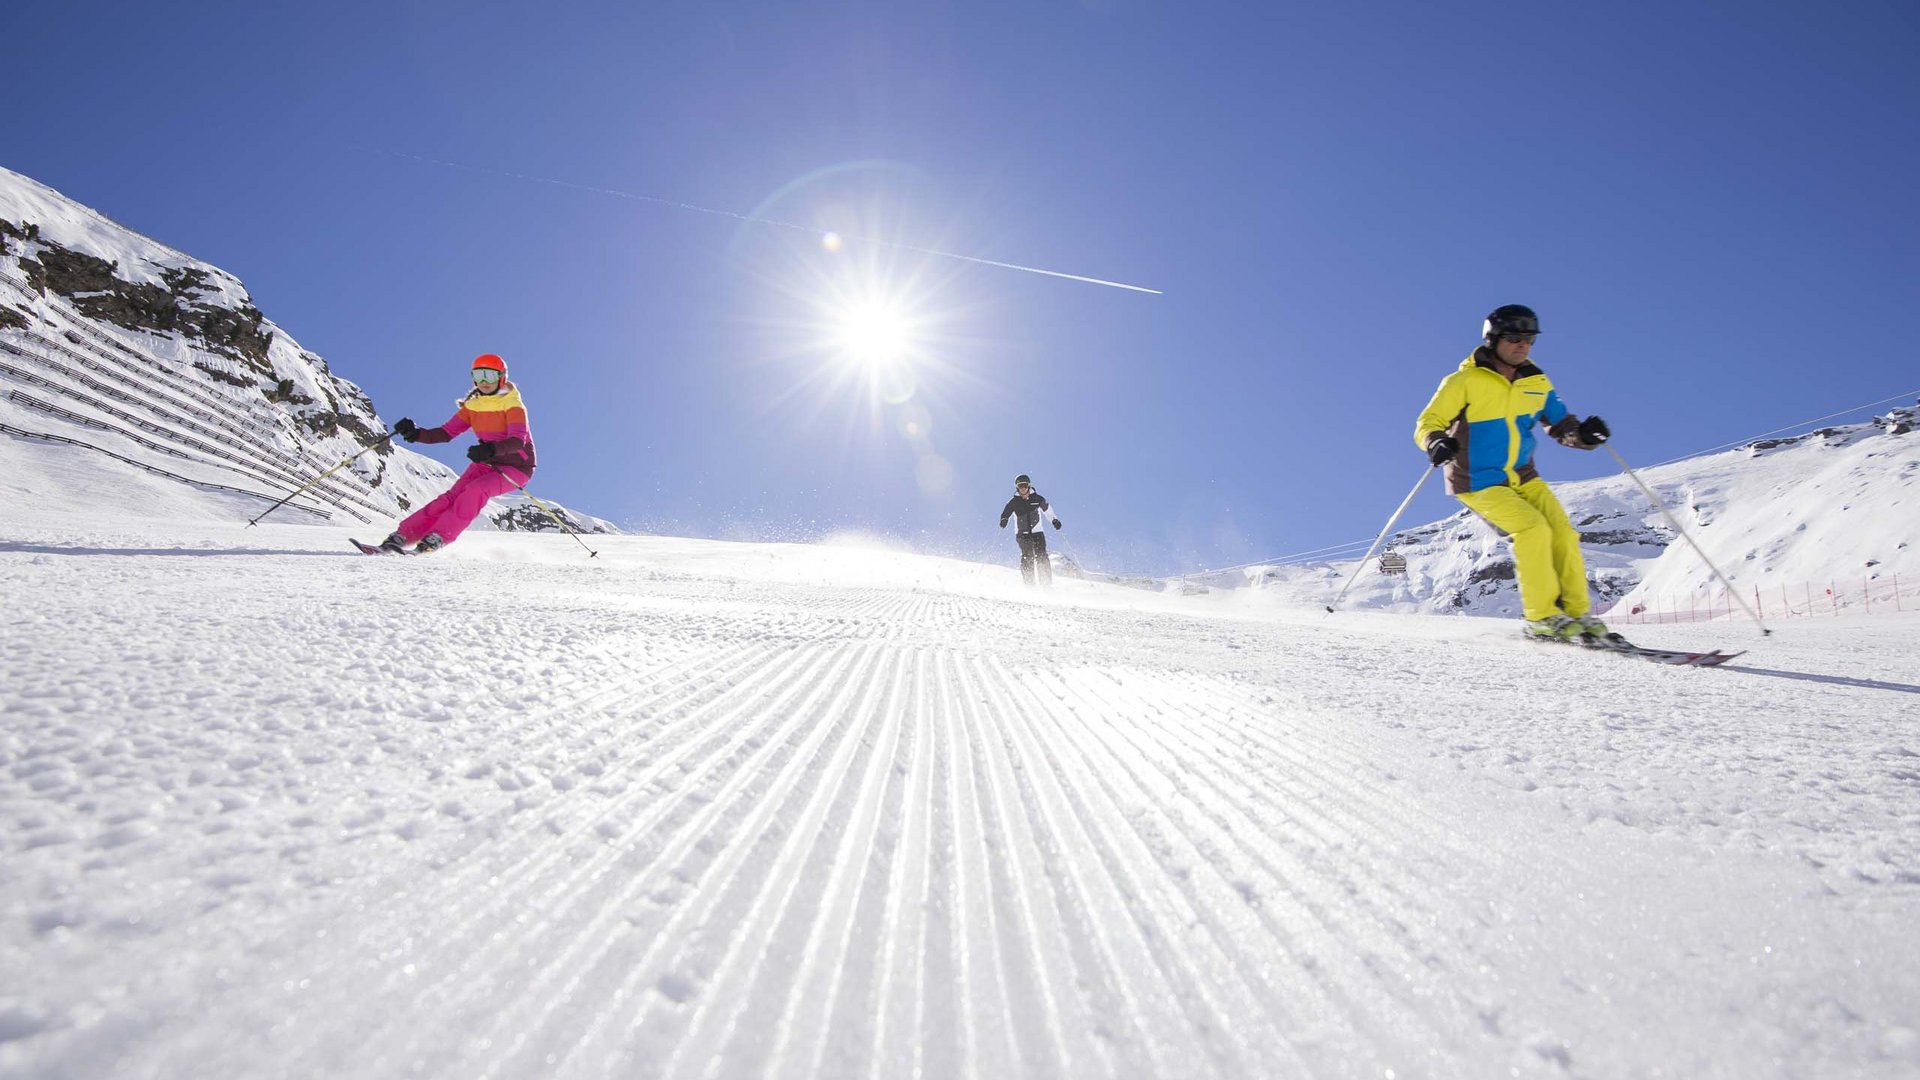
column 1003, row 523
column 480, row 451
column 1056, row 524
column 406, row 429
column 1441, row 448
column 1594, row 431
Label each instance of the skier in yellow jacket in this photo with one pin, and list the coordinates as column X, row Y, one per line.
column 1480, row 426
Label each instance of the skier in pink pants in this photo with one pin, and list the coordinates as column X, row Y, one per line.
column 502, row 459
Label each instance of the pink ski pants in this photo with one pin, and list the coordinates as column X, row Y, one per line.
column 451, row 513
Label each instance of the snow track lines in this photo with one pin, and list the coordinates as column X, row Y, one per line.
column 834, row 845
column 701, row 828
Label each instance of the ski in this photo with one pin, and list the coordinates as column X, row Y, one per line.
column 1614, row 643
column 1713, row 658
column 374, row 549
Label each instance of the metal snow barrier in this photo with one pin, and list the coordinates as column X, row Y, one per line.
column 7, row 429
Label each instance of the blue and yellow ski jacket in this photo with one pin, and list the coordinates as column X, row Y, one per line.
column 1492, row 418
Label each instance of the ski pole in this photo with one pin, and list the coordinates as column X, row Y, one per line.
column 343, row 464
column 562, row 522
column 1428, row 471
column 1675, row 522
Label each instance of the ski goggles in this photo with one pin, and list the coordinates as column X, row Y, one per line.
column 485, row 377
column 1515, row 338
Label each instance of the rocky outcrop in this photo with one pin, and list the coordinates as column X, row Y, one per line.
column 178, row 306
column 1895, row 422
column 529, row 518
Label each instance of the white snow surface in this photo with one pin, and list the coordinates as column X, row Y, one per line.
column 699, row 809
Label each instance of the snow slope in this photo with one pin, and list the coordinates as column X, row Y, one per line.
column 1837, row 504
column 153, row 370
column 697, row 809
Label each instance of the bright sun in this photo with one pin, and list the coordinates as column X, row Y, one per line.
column 874, row 335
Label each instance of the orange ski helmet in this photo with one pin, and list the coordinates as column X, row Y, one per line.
column 490, row 362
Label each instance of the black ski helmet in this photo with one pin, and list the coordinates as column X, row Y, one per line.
column 1023, row 478
column 1509, row 319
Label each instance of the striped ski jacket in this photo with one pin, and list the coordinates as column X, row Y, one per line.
column 500, row 419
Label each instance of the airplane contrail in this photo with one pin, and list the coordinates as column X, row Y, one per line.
column 676, row 204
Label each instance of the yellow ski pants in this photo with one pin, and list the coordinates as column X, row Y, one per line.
column 1546, row 546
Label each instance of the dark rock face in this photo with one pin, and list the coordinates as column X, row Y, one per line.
column 178, row 307
column 1604, row 589
column 534, row 519
column 1899, row 421
column 1896, row 422
column 12, row 318
column 1642, row 536
column 10, row 232
column 283, row 393
column 1495, row 571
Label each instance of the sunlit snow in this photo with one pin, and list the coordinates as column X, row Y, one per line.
column 269, row 807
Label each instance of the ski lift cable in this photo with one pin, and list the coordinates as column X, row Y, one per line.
column 1909, row 395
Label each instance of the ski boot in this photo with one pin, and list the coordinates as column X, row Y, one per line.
column 1595, row 632
column 429, row 543
column 1553, row 628
column 394, row 544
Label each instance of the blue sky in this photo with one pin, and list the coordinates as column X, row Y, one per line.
column 1711, row 206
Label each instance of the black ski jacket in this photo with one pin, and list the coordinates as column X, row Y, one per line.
column 1028, row 507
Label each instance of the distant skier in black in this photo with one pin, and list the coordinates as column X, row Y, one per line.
column 1028, row 505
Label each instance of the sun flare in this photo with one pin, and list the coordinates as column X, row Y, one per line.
column 874, row 334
